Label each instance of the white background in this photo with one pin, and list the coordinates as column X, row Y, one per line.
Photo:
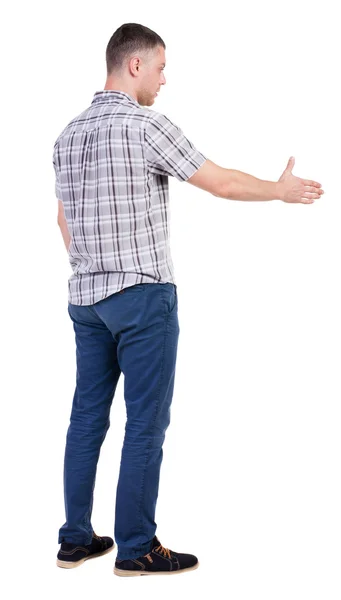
column 250, row 480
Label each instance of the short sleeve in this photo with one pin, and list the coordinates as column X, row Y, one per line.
column 168, row 150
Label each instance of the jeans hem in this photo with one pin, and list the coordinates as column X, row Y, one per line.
column 130, row 555
column 63, row 537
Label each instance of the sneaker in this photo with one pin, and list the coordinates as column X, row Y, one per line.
column 158, row 561
column 73, row 555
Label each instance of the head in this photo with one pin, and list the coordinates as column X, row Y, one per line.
column 135, row 57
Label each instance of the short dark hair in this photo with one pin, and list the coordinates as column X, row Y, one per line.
column 128, row 39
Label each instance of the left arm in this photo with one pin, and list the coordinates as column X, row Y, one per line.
column 63, row 225
column 65, row 233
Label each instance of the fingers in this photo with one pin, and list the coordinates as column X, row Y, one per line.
column 310, row 188
column 309, row 198
column 312, row 194
column 311, row 183
column 312, row 191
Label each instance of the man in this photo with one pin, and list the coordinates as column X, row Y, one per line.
column 112, row 164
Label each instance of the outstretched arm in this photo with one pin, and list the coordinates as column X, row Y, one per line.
column 237, row 185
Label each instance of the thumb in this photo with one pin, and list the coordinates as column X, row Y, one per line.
column 291, row 164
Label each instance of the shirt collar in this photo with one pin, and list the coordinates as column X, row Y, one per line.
column 108, row 96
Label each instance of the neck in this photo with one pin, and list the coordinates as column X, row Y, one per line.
column 121, row 86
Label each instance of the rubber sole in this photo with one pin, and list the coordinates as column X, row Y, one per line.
column 126, row 573
column 66, row 564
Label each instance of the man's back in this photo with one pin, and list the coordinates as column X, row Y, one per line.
column 112, row 164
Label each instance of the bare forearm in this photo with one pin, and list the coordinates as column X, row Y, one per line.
column 242, row 186
column 65, row 233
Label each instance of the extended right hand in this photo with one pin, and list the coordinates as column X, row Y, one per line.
column 293, row 189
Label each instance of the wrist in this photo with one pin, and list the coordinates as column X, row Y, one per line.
column 279, row 190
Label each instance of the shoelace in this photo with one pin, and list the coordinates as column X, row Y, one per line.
column 164, row 551
column 103, row 542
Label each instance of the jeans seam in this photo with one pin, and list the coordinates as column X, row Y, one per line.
column 154, row 420
column 167, row 311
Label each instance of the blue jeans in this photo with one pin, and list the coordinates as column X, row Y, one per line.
column 134, row 331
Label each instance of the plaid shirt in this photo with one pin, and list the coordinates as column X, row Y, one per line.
column 112, row 164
